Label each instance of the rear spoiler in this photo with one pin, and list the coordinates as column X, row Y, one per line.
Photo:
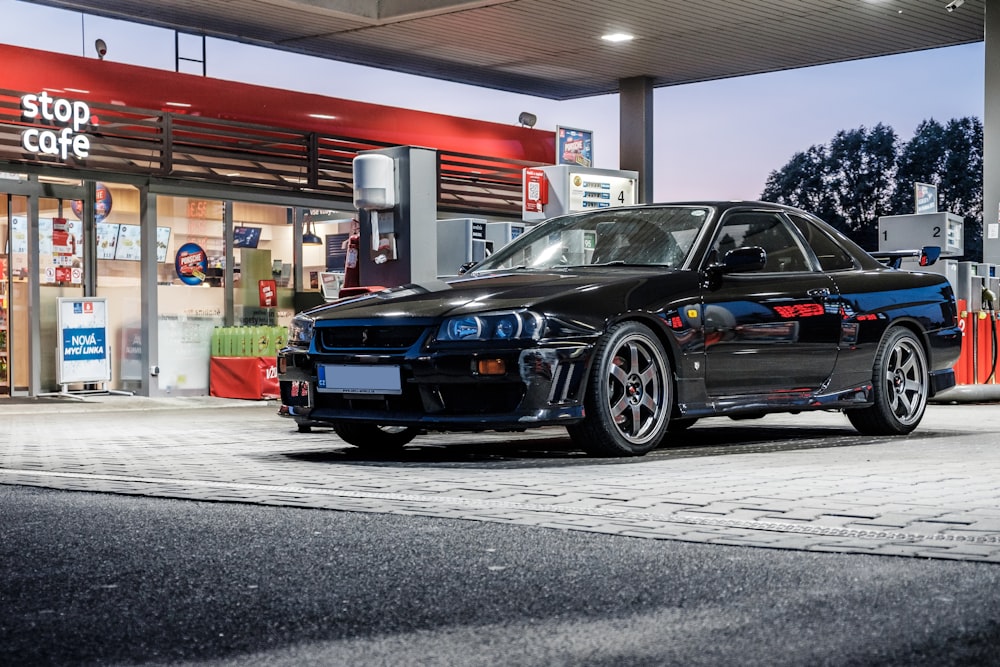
column 928, row 255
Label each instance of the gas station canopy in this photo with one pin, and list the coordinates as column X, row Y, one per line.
column 556, row 48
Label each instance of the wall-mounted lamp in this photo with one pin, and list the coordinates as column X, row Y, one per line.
column 527, row 119
column 102, row 48
column 954, row 4
column 309, row 236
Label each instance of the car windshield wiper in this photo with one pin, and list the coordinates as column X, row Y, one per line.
column 520, row 267
column 621, row 262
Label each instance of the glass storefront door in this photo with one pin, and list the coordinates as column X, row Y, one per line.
column 13, row 296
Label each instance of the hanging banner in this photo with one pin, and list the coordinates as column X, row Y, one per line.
column 82, row 330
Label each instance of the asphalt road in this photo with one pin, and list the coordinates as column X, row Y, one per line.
column 94, row 579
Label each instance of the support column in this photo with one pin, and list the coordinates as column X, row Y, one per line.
column 34, row 301
column 636, row 130
column 89, row 223
column 991, row 140
column 149, row 309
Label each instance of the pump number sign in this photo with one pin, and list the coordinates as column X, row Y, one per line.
column 588, row 191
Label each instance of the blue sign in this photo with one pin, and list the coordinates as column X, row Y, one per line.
column 84, row 344
column 191, row 264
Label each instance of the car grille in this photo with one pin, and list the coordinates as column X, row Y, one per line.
column 381, row 338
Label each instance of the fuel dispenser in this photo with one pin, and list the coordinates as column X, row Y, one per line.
column 976, row 287
column 502, row 233
column 460, row 241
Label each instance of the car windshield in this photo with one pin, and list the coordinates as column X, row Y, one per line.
column 654, row 236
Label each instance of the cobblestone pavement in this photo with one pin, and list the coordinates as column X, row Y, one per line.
column 786, row 481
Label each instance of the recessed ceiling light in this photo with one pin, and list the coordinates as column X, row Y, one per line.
column 618, row 37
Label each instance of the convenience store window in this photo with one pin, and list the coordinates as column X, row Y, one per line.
column 119, row 253
column 190, row 305
column 262, row 251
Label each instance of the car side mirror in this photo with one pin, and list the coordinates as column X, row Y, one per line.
column 744, row 260
column 740, row 260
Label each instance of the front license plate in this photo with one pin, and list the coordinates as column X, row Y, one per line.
column 354, row 379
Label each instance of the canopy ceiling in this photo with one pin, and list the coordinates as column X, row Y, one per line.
column 553, row 48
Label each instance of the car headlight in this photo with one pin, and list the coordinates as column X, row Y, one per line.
column 508, row 325
column 300, row 331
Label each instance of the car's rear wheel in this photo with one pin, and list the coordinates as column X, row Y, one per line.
column 899, row 384
column 629, row 394
column 375, row 437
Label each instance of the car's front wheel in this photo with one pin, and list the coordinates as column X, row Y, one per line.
column 629, row 394
column 374, row 437
column 899, row 384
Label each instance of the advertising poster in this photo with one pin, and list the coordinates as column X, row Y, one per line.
column 102, row 204
column 926, row 198
column 131, row 355
column 107, row 240
column 129, row 245
column 83, row 354
column 574, row 147
column 268, row 293
column 191, row 264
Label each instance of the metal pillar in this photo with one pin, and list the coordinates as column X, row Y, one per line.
column 149, row 358
column 636, row 129
column 34, row 298
column 991, row 139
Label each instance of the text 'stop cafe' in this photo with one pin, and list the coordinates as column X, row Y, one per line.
column 121, row 185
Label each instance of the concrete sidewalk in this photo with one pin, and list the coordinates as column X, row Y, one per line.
column 786, row 481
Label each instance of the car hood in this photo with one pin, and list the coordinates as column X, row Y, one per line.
column 595, row 291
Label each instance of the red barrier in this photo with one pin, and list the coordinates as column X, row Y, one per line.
column 252, row 378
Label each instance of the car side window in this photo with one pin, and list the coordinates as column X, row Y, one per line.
column 764, row 230
column 830, row 255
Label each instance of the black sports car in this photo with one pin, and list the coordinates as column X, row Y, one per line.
column 625, row 324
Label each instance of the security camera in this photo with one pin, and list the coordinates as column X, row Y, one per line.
column 102, row 47
column 954, row 4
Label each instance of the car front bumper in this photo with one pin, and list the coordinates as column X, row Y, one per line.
column 445, row 390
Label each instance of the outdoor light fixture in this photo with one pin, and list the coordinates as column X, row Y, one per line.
column 620, row 37
column 102, row 48
column 527, row 119
column 954, row 4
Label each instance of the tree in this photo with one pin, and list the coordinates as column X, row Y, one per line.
column 861, row 175
column 921, row 160
column 961, row 189
column 865, row 174
column 803, row 183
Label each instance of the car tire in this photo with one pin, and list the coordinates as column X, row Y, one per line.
column 629, row 394
column 900, row 383
column 374, row 437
